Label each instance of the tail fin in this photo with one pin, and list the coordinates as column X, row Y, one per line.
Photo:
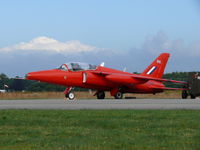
column 156, row 69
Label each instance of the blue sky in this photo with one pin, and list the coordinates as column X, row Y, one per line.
column 119, row 26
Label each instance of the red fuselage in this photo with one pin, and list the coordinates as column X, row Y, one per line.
column 100, row 79
column 76, row 74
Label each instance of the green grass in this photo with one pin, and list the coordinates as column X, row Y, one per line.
column 99, row 129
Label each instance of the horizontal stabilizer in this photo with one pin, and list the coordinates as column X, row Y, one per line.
column 157, row 79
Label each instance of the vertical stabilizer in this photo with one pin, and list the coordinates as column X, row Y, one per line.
column 157, row 67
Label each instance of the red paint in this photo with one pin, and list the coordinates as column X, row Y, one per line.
column 107, row 79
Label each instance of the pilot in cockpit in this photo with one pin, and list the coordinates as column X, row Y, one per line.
column 76, row 67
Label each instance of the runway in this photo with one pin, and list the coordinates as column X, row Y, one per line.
column 102, row 104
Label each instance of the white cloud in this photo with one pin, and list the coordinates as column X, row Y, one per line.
column 160, row 42
column 49, row 44
column 45, row 53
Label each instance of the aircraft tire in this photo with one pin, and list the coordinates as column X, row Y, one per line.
column 119, row 95
column 70, row 95
column 184, row 94
column 100, row 95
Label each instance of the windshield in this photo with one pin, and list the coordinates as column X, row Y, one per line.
column 63, row 67
column 77, row 66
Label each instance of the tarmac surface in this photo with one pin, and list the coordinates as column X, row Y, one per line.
column 102, row 104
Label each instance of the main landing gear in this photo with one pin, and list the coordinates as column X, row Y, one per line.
column 100, row 95
column 118, row 95
column 69, row 94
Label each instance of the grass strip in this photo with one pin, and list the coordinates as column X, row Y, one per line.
column 100, row 129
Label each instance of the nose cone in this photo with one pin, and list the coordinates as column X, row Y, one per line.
column 40, row 75
column 55, row 76
column 35, row 75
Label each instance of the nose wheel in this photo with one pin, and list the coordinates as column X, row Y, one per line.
column 69, row 94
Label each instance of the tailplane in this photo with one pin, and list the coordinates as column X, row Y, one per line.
column 156, row 69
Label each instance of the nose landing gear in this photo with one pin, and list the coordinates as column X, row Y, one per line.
column 69, row 94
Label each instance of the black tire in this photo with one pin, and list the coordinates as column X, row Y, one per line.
column 184, row 94
column 70, row 95
column 192, row 96
column 119, row 95
column 100, row 95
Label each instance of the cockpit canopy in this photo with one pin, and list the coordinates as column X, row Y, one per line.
column 77, row 66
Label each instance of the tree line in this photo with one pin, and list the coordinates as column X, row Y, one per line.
column 16, row 84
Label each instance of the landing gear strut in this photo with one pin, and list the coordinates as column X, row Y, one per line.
column 69, row 94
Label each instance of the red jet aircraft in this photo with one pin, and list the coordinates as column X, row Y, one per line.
column 103, row 79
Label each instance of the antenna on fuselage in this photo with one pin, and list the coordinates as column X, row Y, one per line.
column 124, row 70
column 102, row 64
